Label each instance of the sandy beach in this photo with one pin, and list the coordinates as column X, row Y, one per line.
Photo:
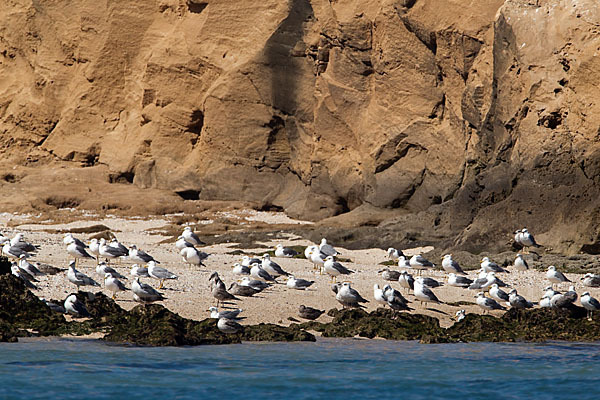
column 190, row 295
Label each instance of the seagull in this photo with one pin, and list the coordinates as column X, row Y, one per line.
column 94, row 248
column 483, row 283
column 327, row 249
column 486, row 303
column 79, row 278
column 22, row 245
column 334, row 268
column 517, row 238
column 53, row 306
column 257, row 272
column 272, row 267
column 114, row 243
column 460, row 315
column 219, row 292
column 555, row 276
column 590, row 304
column 545, row 302
column 226, row 325
column 231, row 314
column 181, row 243
column 451, row 266
column 193, row 256
column 394, row 254
column 239, row 269
column 69, row 238
column 317, row 258
column 419, row 262
column 159, row 273
column 431, row 283
column 29, row 267
column 140, row 256
column 424, row 293
column 113, row 284
column 527, row 239
column 13, row 252
column 378, row 295
column 241, row 290
column 257, row 285
column 309, row 249
column 563, row 300
column 389, row 275
column 349, row 297
column 490, row 266
column 191, row 237
column 459, row 281
column 77, row 252
column 395, row 297
column 247, row 261
column 281, row 251
column 549, row 292
column 591, row 280
column 498, row 294
column 520, row 264
column 141, row 272
column 75, row 307
column 103, row 269
column 300, row 284
column 109, row 252
column 309, row 312
column 403, row 262
column 517, row 301
column 406, row 280
column 16, row 271
column 144, row 293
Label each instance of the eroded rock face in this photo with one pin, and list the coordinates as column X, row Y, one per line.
column 471, row 123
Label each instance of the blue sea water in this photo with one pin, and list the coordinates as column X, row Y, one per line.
column 330, row 368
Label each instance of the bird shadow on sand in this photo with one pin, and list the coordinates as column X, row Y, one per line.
column 437, row 311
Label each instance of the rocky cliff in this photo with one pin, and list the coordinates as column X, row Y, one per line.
column 459, row 121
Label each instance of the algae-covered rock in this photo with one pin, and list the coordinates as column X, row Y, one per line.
column 276, row 333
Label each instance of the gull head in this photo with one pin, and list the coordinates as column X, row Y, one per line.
column 329, row 258
column 480, row 294
column 266, row 256
column 107, row 275
column 552, row 268
column 279, row 246
column 513, row 291
column 585, row 294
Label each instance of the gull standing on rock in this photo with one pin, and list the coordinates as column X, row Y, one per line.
column 75, row 307
column 334, row 268
column 144, row 293
column 459, row 281
column 562, row 300
column 113, row 284
column 78, row 278
column 420, row 263
column 490, row 266
column 591, row 280
column 520, row 264
column 460, row 315
column 527, row 239
column 378, row 295
column 590, row 304
column 349, row 297
column 191, row 237
column 16, row 271
column 327, row 249
column 518, row 301
column 451, row 266
column 281, row 251
column 555, row 276
column 487, row 304
column 257, row 272
column 394, row 254
column 394, row 298
column 299, row 284
column 159, row 273
column 226, row 325
column 406, row 281
column 193, row 256
column 272, row 267
column 423, row 293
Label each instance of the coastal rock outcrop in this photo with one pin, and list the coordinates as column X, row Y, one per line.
column 460, row 122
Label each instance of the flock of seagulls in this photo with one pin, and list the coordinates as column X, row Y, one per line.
column 258, row 274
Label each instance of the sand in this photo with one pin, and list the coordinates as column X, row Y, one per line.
column 190, row 295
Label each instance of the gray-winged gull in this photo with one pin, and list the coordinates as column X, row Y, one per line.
column 498, row 294
column 102, row 269
column 349, row 297
column 406, row 280
column 272, row 267
column 75, row 307
column 520, row 264
column 140, row 256
column 239, row 269
column 487, row 304
column 490, row 266
column 389, row 275
column 16, row 271
column 378, row 295
column 591, row 280
column 518, row 301
column 460, row 315
column 191, row 237
column 590, row 304
column 29, row 267
column 79, row 278
column 193, row 256
column 231, row 314
column 403, row 262
column 394, row 254
column 458, row 280
column 297, row 283
column 327, row 249
column 226, row 325
column 69, row 238
column 555, row 276
column 420, row 263
column 255, row 284
column 424, row 293
column 334, row 268
column 113, row 284
column 257, row 272
column 144, row 293
column 451, row 266
column 281, row 251
column 138, row 271
column 247, row 261
column 160, row 273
